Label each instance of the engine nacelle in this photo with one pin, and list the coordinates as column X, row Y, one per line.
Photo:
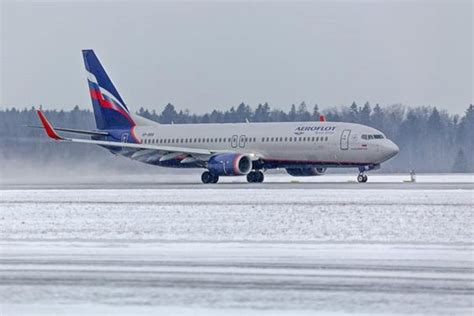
column 305, row 172
column 229, row 164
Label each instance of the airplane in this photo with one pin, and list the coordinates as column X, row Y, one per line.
column 229, row 149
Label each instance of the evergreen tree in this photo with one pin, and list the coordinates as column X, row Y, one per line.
column 354, row 113
column 292, row 113
column 364, row 114
column 377, row 117
column 316, row 114
column 262, row 113
column 460, row 163
column 302, row 113
column 434, row 122
column 168, row 115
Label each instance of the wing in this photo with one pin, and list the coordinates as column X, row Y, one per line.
column 142, row 152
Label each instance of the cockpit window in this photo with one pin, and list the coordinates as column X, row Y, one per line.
column 376, row 136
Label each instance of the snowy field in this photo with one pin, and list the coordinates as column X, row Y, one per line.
column 275, row 249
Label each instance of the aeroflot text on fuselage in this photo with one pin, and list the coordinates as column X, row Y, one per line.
column 238, row 149
column 301, row 129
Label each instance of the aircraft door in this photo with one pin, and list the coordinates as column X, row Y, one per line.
column 345, row 139
column 234, row 141
column 242, row 140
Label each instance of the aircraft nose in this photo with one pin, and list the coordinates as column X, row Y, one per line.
column 391, row 149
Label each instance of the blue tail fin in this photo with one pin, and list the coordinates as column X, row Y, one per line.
column 109, row 109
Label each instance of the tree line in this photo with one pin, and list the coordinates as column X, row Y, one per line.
column 430, row 140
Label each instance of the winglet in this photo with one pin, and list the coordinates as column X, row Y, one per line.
column 47, row 127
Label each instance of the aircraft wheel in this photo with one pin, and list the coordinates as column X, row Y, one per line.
column 207, row 177
column 365, row 178
column 259, row 176
column 361, row 178
column 251, row 177
column 215, row 178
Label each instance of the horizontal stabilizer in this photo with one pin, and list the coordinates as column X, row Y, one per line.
column 75, row 131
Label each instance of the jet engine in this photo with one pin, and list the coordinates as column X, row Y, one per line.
column 305, row 172
column 229, row 164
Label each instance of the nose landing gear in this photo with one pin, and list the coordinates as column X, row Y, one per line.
column 362, row 178
column 255, row 177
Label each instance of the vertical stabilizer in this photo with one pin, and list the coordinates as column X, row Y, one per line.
column 109, row 108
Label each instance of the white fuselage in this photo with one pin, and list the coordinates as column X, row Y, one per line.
column 331, row 144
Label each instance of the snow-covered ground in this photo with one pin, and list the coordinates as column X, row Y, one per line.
column 238, row 215
column 257, row 250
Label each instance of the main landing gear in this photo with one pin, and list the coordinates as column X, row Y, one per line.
column 252, row 177
column 208, row 177
column 255, row 177
column 362, row 178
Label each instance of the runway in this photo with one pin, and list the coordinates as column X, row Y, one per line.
column 272, row 181
column 150, row 247
column 252, row 278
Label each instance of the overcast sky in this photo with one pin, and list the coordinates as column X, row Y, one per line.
column 206, row 55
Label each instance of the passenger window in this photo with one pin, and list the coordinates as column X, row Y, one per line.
column 299, row 138
column 326, row 138
column 291, row 139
